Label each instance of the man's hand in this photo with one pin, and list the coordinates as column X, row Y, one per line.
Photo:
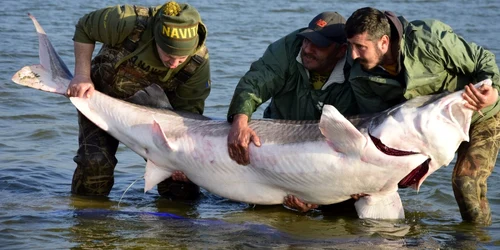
column 479, row 98
column 179, row 176
column 80, row 86
column 294, row 203
column 239, row 139
column 358, row 196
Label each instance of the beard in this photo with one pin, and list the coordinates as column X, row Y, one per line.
column 317, row 63
column 378, row 60
column 310, row 61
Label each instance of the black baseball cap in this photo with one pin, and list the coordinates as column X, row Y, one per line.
column 325, row 29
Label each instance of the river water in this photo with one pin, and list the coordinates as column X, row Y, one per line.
column 38, row 134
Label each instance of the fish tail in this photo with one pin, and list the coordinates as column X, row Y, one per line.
column 52, row 74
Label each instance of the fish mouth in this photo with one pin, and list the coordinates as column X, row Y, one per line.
column 387, row 150
column 413, row 178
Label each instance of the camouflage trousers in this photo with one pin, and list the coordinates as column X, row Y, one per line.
column 96, row 161
column 475, row 162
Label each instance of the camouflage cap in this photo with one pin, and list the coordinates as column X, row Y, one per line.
column 176, row 29
column 325, row 29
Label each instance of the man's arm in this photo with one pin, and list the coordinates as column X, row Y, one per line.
column 266, row 78
column 81, row 85
column 108, row 26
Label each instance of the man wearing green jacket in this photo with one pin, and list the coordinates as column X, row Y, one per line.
column 163, row 45
column 393, row 60
column 299, row 73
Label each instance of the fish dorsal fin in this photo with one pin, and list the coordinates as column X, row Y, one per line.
column 341, row 135
column 154, row 175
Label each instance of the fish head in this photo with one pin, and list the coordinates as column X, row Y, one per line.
column 434, row 126
column 447, row 127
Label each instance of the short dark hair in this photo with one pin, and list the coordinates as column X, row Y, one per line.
column 369, row 20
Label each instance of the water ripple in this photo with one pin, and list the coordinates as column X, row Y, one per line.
column 39, row 139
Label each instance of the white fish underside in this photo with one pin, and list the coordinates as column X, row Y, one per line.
column 318, row 167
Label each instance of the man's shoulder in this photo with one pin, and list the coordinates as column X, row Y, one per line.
column 116, row 17
column 287, row 47
column 425, row 34
column 429, row 26
column 292, row 36
column 287, row 39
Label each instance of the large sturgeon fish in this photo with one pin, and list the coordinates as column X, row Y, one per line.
column 321, row 162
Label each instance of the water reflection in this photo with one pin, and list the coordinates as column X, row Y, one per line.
column 99, row 223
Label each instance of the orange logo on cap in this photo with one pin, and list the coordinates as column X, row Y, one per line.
column 321, row 23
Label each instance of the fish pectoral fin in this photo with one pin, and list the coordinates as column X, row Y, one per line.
column 154, row 175
column 160, row 140
column 380, row 207
column 342, row 136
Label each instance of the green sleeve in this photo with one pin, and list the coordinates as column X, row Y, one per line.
column 265, row 77
column 110, row 25
column 191, row 95
column 465, row 58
